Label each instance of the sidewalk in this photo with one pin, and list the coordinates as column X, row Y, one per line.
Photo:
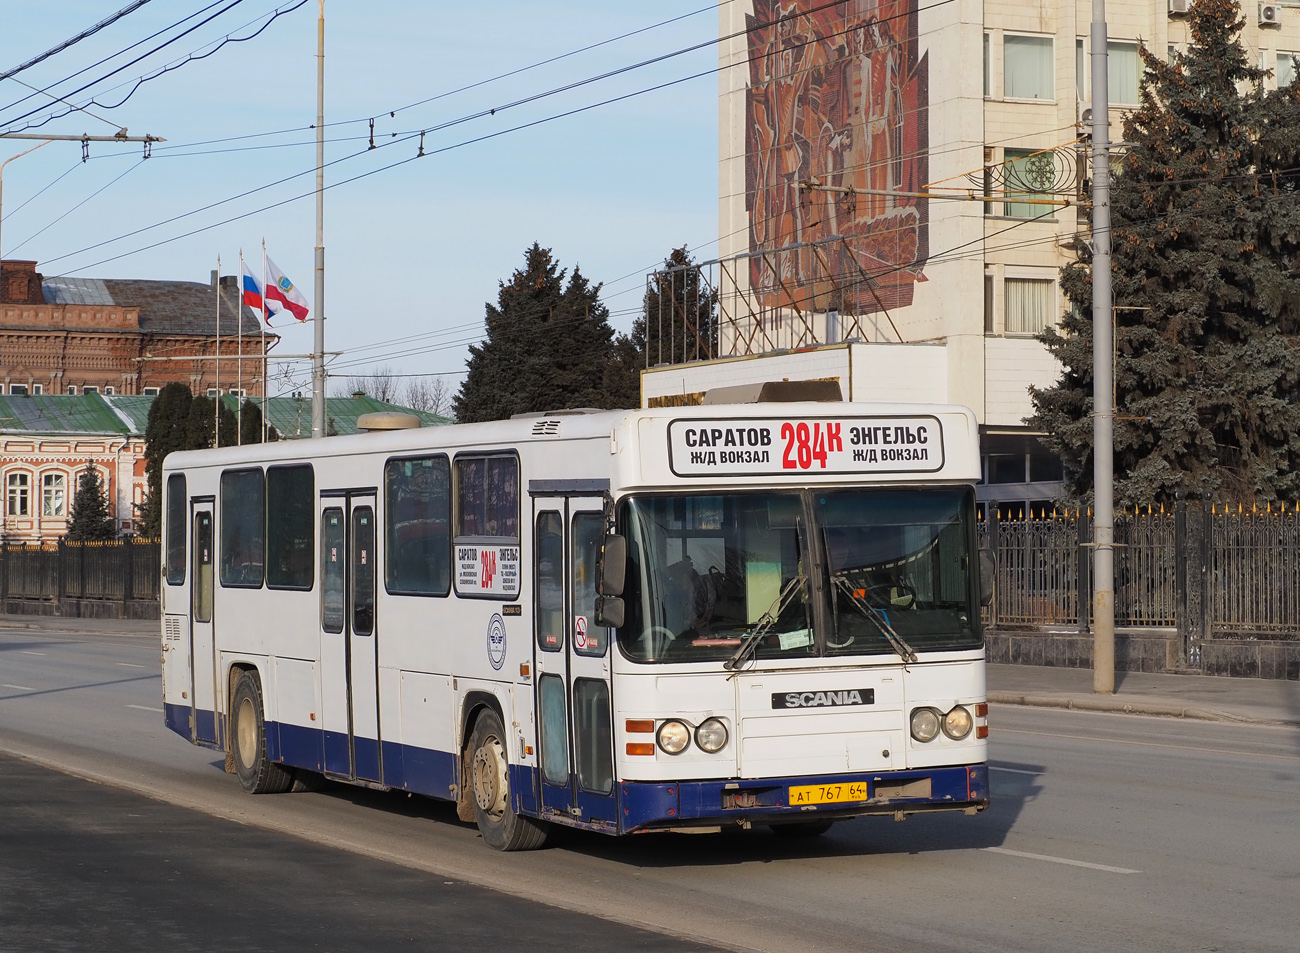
column 1209, row 698
column 65, row 626
column 1244, row 700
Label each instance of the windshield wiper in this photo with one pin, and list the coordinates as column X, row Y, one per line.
column 764, row 625
column 875, row 616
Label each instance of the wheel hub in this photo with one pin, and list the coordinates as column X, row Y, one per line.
column 488, row 772
column 246, row 733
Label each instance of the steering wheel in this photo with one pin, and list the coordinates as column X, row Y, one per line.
column 656, row 640
column 895, row 594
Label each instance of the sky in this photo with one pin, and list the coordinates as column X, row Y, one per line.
column 412, row 252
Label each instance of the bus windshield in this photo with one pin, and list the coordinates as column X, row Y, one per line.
column 899, row 562
column 708, row 574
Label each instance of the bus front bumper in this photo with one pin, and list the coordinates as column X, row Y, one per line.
column 647, row 806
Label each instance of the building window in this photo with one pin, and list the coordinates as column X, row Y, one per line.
column 1029, row 304
column 988, row 304
column 1027, row 67
column 213, row 391
column 38, row 389
column 1285, row 72
column 90, row 389
column 54, row 495
column 18, row 390
column 1123, row 72
column 151, row 392
column 1028, row 174
column 110, row 390
column 988, row 75
column 18, row 486
column 1081, row 72
column 72, row 390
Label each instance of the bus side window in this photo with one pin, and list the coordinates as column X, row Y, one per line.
column 290, row 509
column 417, row 515
column 176, row 512
column 243, row 527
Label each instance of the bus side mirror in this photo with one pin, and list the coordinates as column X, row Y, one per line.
column 613, row 566
column 610, row 611
column 988, row 570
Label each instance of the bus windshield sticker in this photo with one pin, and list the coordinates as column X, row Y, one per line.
column 487, row 570
column 496, row 641
column 780, row 446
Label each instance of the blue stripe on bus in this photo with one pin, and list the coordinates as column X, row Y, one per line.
column 641, row 805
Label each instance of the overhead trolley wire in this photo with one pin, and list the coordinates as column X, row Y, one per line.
column 72, row 41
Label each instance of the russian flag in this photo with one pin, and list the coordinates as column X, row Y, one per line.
column 252, row 289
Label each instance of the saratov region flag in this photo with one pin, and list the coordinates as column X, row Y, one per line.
column 281, row 291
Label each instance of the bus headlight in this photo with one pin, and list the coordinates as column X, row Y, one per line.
column 711, row 735
column 957, row 723
column 925, row 724
column 673, row 737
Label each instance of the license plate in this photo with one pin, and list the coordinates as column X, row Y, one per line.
column 828, row 793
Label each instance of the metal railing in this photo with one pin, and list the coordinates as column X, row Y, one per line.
column 116, row 570
column 1208, row 570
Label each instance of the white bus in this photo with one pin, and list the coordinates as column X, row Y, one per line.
column 622, row 621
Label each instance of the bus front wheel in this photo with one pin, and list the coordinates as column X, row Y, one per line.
column 489, row 783
column 257, row 773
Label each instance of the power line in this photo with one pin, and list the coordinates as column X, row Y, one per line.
column 72, row 41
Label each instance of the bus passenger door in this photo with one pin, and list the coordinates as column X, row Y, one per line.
column 573, row 703
column 203, row 665
column 349, row 660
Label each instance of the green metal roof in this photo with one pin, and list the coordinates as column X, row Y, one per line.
column 41, row 414
column 291, row 416
column 129, row 415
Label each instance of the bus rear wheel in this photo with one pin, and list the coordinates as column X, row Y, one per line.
column 489, row 788
column 257, row 773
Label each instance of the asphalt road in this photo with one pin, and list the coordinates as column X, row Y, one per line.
column 1108, row 833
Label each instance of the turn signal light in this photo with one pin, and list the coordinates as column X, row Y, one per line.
column 982, row 731
column 641, row 747
column 982, row 710
column 640, row 726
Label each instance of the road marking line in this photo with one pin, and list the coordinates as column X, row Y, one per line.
column 21, row 688
column 146, row 708
column 1032, row 774
column 28, row 652
column 1060, row 860
column 129, row 665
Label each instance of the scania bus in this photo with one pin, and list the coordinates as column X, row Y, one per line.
column 623, row 621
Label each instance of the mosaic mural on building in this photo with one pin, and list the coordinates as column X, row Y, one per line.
column 836, row 126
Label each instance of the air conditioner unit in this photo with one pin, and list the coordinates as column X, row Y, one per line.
column 1270, row 14
column 1084, row 115
column 1180, row 8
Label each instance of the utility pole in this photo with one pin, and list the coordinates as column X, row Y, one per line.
column 1103, row 373
column 318, row 356
column 85, row 141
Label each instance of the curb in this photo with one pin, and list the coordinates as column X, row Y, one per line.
column 1143, row 707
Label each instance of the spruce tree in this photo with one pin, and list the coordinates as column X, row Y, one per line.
column 167, row 430
column 90, row 517
column 547, row 345
column 1206, row 230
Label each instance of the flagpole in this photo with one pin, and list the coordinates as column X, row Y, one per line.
column 239, row 362
column 216, row 416
column 266, row 427
column 318, row 358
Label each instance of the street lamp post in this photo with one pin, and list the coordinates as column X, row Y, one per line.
column 2, row 183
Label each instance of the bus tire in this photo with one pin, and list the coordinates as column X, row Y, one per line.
column 489, row 783
column 802, row 828
column 257, row 773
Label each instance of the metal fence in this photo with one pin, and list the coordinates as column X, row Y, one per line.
column 1202, row 568
column 117, row 570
